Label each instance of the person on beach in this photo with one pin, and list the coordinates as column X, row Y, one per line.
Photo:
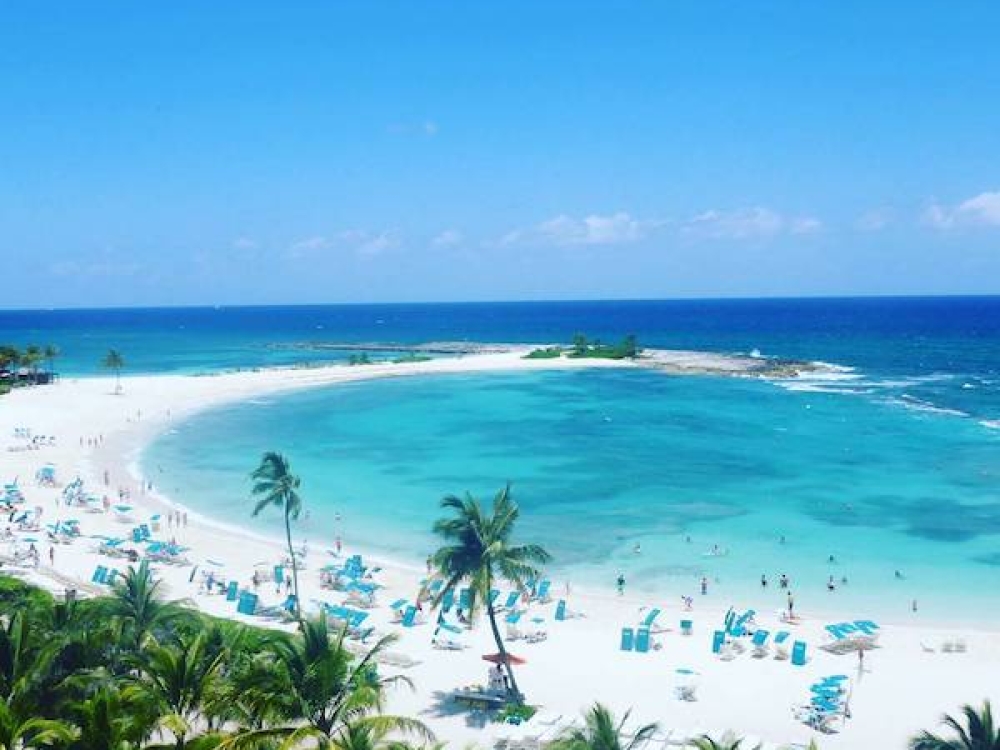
column 763, row 581
column 704, row 586
column 791, row 606
column 255, row 581
column 52, row 555
column 621, row 584
column 339, row 545
column 637, row 549
column 783, row 581
column 830, row 585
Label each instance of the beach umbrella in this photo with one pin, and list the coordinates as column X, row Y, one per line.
column 497, row 659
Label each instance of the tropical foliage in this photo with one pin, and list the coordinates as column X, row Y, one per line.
column 601, row 731
column 974, row 729
column 114, row 360
column 479, row 552
column 130, row 671
column 29, row 359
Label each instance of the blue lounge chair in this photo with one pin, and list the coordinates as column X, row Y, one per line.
column 397, row 605
column 279, row 574
column 290, row 602
column 494, row 593
column 513, row 618
column 465, row 599
column 512, row 598
column 759, row 643
column 642, row 640
column 867, row 627
column 112, row 577
column 799, row 654
column 718, row 640
column 448, row 600
column 100, row 574
column 650, row 618
column 247, row 603
column 409, row 617
column 542, row 594
column 687, row 627
column 561, row 610
column 232, row 591
column 628, row 639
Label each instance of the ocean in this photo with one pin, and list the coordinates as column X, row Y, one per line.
column 883, row 476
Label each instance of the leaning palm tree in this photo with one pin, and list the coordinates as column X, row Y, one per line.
column 113, row 360
column 479, row 552
column 274, row 484
column 328, row 698
column 977, row 732
column 30, row 359
column 601, row 732
column 727, row 742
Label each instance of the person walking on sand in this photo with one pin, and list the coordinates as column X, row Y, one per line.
column 791, row 606
column 621, row 584
column 52, row 555
column 704, row 586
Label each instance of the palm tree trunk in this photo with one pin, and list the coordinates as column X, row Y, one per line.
column 295, row 566
column 518, row 698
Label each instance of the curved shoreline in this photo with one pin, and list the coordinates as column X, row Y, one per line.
column 76, row 410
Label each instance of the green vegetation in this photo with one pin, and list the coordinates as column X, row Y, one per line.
column 411, row 357
column 113, row 360
column 979, row 732
column 359, row 359
column 275, row 485
column 30, row 358
column 479, row 552
column 601, row 732
column 130, row 671
column 515, row 713
column 549, row 352
column 627, row 348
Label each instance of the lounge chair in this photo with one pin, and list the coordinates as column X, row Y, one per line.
column 799, row 654
column 561, row 610
column 542, row 595
column 642, row 640
column 650, row 619
column 247, row 604
column 410, row 617
column 100, row 575
column 759, row 644
column 232, row 591
column 780, row 644
column 718, row 641
column 687, row 627
column 628, row 639
column 511, row 601
column 511, row 621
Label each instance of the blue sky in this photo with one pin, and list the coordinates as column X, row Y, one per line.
column 241, row 152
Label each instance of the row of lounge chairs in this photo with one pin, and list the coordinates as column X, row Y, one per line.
column 104, row 576
column 851, row 636
column 828, row 703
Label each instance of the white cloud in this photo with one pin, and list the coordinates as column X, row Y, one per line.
column 448, row 238
column 979, row 210
column 596, row 229
column 748, row 223
column 360, row 241
column 875, row 220
column 245, row 243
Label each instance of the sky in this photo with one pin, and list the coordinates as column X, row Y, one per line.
column 304, row 152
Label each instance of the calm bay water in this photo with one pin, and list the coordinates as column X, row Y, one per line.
column 895, row 466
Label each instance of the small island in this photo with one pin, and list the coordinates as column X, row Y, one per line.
column 583, row 348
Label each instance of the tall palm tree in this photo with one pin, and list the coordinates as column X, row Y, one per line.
column 601, row 732
column 329, row 695
column 274, row 484
column 727, row 742
column 979, row 732
column 107, row 720
column 50, row 353
column 479, row 552
column 114, row 360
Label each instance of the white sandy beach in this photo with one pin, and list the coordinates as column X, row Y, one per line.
column 904, row 687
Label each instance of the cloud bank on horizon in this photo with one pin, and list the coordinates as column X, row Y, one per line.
column 499, row 151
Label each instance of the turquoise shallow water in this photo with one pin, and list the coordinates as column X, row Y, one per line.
column 602, row 460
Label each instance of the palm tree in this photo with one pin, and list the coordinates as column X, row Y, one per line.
column 137, row 604
column 978, row 733
column 22, row 730
column 30, row 358
column 328, row 695
column 274, row 484
column 727, row 742
column 50, row 353
column 113, row 360
column 108, row 721
column 177, row 679
column 479, row 552
column 600, row 732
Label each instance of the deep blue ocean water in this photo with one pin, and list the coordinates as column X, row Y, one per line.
column 892, row 465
